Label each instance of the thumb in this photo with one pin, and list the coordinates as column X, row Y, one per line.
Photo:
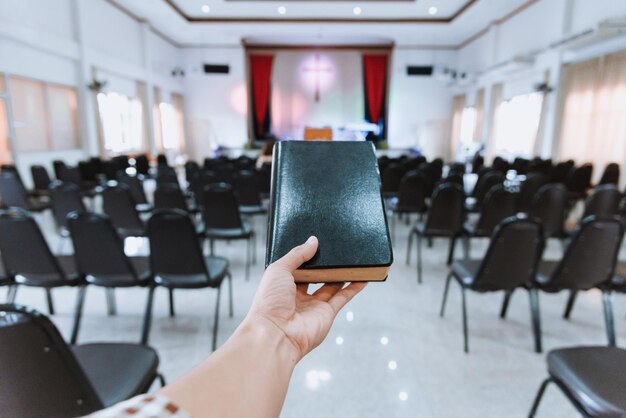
column 298, row 255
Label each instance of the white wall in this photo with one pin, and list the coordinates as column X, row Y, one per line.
column 62, row 41
column 531, row 33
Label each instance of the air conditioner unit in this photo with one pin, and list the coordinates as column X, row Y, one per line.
column 603, row 31
column 515, row 64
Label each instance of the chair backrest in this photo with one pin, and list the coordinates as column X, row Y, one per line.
column 174, row 245
column 200, row 182
column 391, row 177
column 611, row 174
column 264, row 178
column 72, row 175
column 412, row 192
column 169, row 196
column 192, row 169
column 142, row 165
column 110, row 169
column 484, row 183
column 247, row 189
column 520, row 165
column 12, row 190
column 98, row 249
column 580, row 179
column 528, row 189
column 41, row 179
column 119, row 205
column 87, row 171
column 135, row 185
column 604, row 201
column 40, row 375
column 445, row 215
column 512, row 257
column 225, row 172
column 549, row 208
column 59, row 168
column 24, row 249
column 66, row 198
column 221, row 209
column 562, row 171
column 166, row 175
column 498, row 204
column 590, row 258
column 501, row 165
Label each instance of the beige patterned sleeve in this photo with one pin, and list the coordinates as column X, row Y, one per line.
column 142, row 406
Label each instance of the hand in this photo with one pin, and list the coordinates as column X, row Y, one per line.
column 304, row 319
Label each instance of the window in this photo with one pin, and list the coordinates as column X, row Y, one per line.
column 45, row 115
column 170, row 129
column 468, row 126
column 516, row 125
column 122, row 122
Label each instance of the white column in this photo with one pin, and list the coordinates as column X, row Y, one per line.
column 147, row 64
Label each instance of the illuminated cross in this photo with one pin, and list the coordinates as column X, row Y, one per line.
column 317, row 69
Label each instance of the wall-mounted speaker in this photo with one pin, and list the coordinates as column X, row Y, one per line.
column 216, row 68
column 417, row 70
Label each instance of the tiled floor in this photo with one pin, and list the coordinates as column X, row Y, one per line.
column 388, row 354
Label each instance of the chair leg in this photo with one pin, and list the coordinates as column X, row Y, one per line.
column 50, row 301
column 249, row 250
column 465, row 334
column 172, row 312
column 254, row 248
column 161, row 379
column 570, row 303
column 419, row 258
column 11, row 293
column 111, row 306
column 540, row 393
column 230, row 294
column 78, row 313
column 217, row 317
column 608, row 317
column 505, row 303
column 147, row 318
column 430, row 242
column 535, row 314
column 408, row 248
column 445, row 295
column 451, row 250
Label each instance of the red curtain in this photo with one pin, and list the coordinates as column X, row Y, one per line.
column 375, row 78
column 260, row 73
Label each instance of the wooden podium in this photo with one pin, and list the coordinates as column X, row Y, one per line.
column 312, row 134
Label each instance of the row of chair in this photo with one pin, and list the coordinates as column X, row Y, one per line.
column 176, row 260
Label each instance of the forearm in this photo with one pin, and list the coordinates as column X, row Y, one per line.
column 247, row 377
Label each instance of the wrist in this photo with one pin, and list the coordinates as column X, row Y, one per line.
column 258, row 329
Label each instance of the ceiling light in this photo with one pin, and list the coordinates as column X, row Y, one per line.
column 357, row 10
column 282, row 10
column 205, row 8
column 432, row 10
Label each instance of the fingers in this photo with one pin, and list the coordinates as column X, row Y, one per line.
column 327, row 291
column 339, row 299
column 298, row 255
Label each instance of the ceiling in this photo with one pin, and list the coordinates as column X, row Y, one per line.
column 405, row 22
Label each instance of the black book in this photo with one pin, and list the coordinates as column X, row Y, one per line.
column 330, row 190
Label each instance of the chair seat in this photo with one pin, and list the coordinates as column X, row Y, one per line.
column 67, row 264
column 231, row 233
column 144, row 207
column 118, row 371
column 253, row 210
column 420, row 228
column 217, row 267
column 38, row 205
column 594, row 376
column 466, row 270
column 141, row 266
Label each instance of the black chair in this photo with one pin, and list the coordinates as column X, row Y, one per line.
column 41, row 180
column 28, row 260
column 142, row 165
column 225, row 172
column 549, row 207
column 118, row 204
column 510, row 263
column 170, row 196
column 485, row 182
column 528, row 190
column 592, row 378
column 501, row 165
column 579, row 181
column 498, row 204
column 110, row 170
column 390, row 179
column 520, row 165
column 198, row 183
column 562, row 171
column 411, row 197
column 264, row 179
column 135, row 185
column 46, row 377
column 66, row 198
column 100, row 259
column 166, row 175
column 611, row 174
column 588, row 263
column 222, row 220
column 177, row 262
column 15, row 195
column 605, row 201
column 444, row 219
column 248, row 194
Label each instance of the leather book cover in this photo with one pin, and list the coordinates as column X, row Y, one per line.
column 330, row 190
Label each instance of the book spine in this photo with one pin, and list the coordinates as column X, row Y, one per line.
column 274, row 197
